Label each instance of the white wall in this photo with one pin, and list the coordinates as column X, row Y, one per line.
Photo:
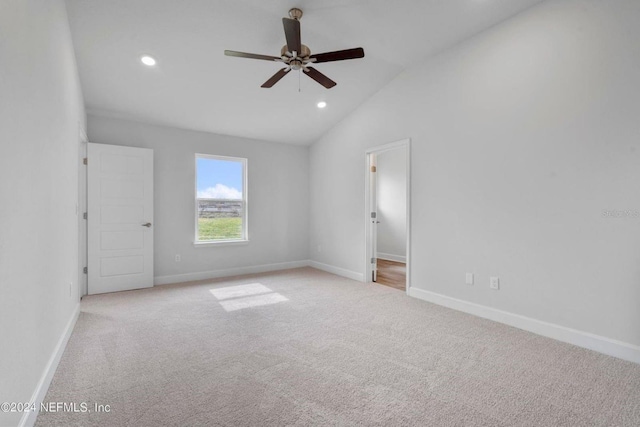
column 521, row 138
column 41, row 110
column 392, row 204
column 278, row 198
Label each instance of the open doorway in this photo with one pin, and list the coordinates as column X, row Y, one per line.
column 388, row 215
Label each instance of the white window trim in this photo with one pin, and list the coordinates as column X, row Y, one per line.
column 205, row 243
column 245, row 197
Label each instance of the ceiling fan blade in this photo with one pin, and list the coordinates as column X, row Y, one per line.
column 251, row 55
column 276, row 78
column 339, row 55
column 319, row 77
column 292, row 33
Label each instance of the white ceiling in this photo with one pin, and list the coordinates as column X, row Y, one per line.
column 194, row 86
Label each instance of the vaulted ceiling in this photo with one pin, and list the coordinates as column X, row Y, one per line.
column 194, row 86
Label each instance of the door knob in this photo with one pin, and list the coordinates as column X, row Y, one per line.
column 148, row 225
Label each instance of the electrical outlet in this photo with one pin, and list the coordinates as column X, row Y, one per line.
column 469, row 279
column 178, row 258
column 494, row 283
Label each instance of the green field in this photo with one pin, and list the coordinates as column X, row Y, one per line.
column 219, row 228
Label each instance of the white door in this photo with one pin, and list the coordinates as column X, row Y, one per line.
column 119, row 218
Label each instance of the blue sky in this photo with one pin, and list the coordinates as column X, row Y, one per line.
column 219, row 178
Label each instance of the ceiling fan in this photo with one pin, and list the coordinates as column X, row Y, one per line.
column 297, row 56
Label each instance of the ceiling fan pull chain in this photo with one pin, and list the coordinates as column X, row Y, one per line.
column 299, row 71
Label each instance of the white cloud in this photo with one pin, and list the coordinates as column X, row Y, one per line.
column 220, row 191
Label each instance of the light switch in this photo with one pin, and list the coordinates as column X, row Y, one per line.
column 469, row 279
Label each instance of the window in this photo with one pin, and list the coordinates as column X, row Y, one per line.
column 221, row 199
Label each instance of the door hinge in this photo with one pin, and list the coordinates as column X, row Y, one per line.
column 85, row 270
column 85, row 161
column 373, row 215
column 84, row 215
column 373, row 260
column 373, row 169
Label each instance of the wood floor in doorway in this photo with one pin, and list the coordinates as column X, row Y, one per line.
column 393, row 274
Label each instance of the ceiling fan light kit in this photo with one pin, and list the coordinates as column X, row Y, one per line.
column 297, row 56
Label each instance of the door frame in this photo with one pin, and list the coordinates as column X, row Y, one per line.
column 81, row 210
column 403, row 143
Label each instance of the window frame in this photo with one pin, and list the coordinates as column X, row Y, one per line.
column 245, row 200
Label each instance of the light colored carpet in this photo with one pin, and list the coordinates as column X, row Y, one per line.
column 303, row 347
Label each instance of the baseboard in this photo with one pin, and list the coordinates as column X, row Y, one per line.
column 337, row 270
column 29, row 418
column 238, row 271
column 391, row 257
column 583, row 339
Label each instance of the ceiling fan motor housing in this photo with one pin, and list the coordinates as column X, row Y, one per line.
column 304, row 54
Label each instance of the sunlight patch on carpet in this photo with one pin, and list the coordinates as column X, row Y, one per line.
column 234, row 298
column 240, row 291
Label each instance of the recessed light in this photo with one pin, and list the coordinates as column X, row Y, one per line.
column 148, row 60
column 322, row 104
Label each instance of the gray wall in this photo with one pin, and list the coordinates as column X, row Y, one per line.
column 41, row 111
column 392, row 204
column 278, row 197
column 521, row 138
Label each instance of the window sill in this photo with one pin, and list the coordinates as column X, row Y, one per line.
column 221, row 243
